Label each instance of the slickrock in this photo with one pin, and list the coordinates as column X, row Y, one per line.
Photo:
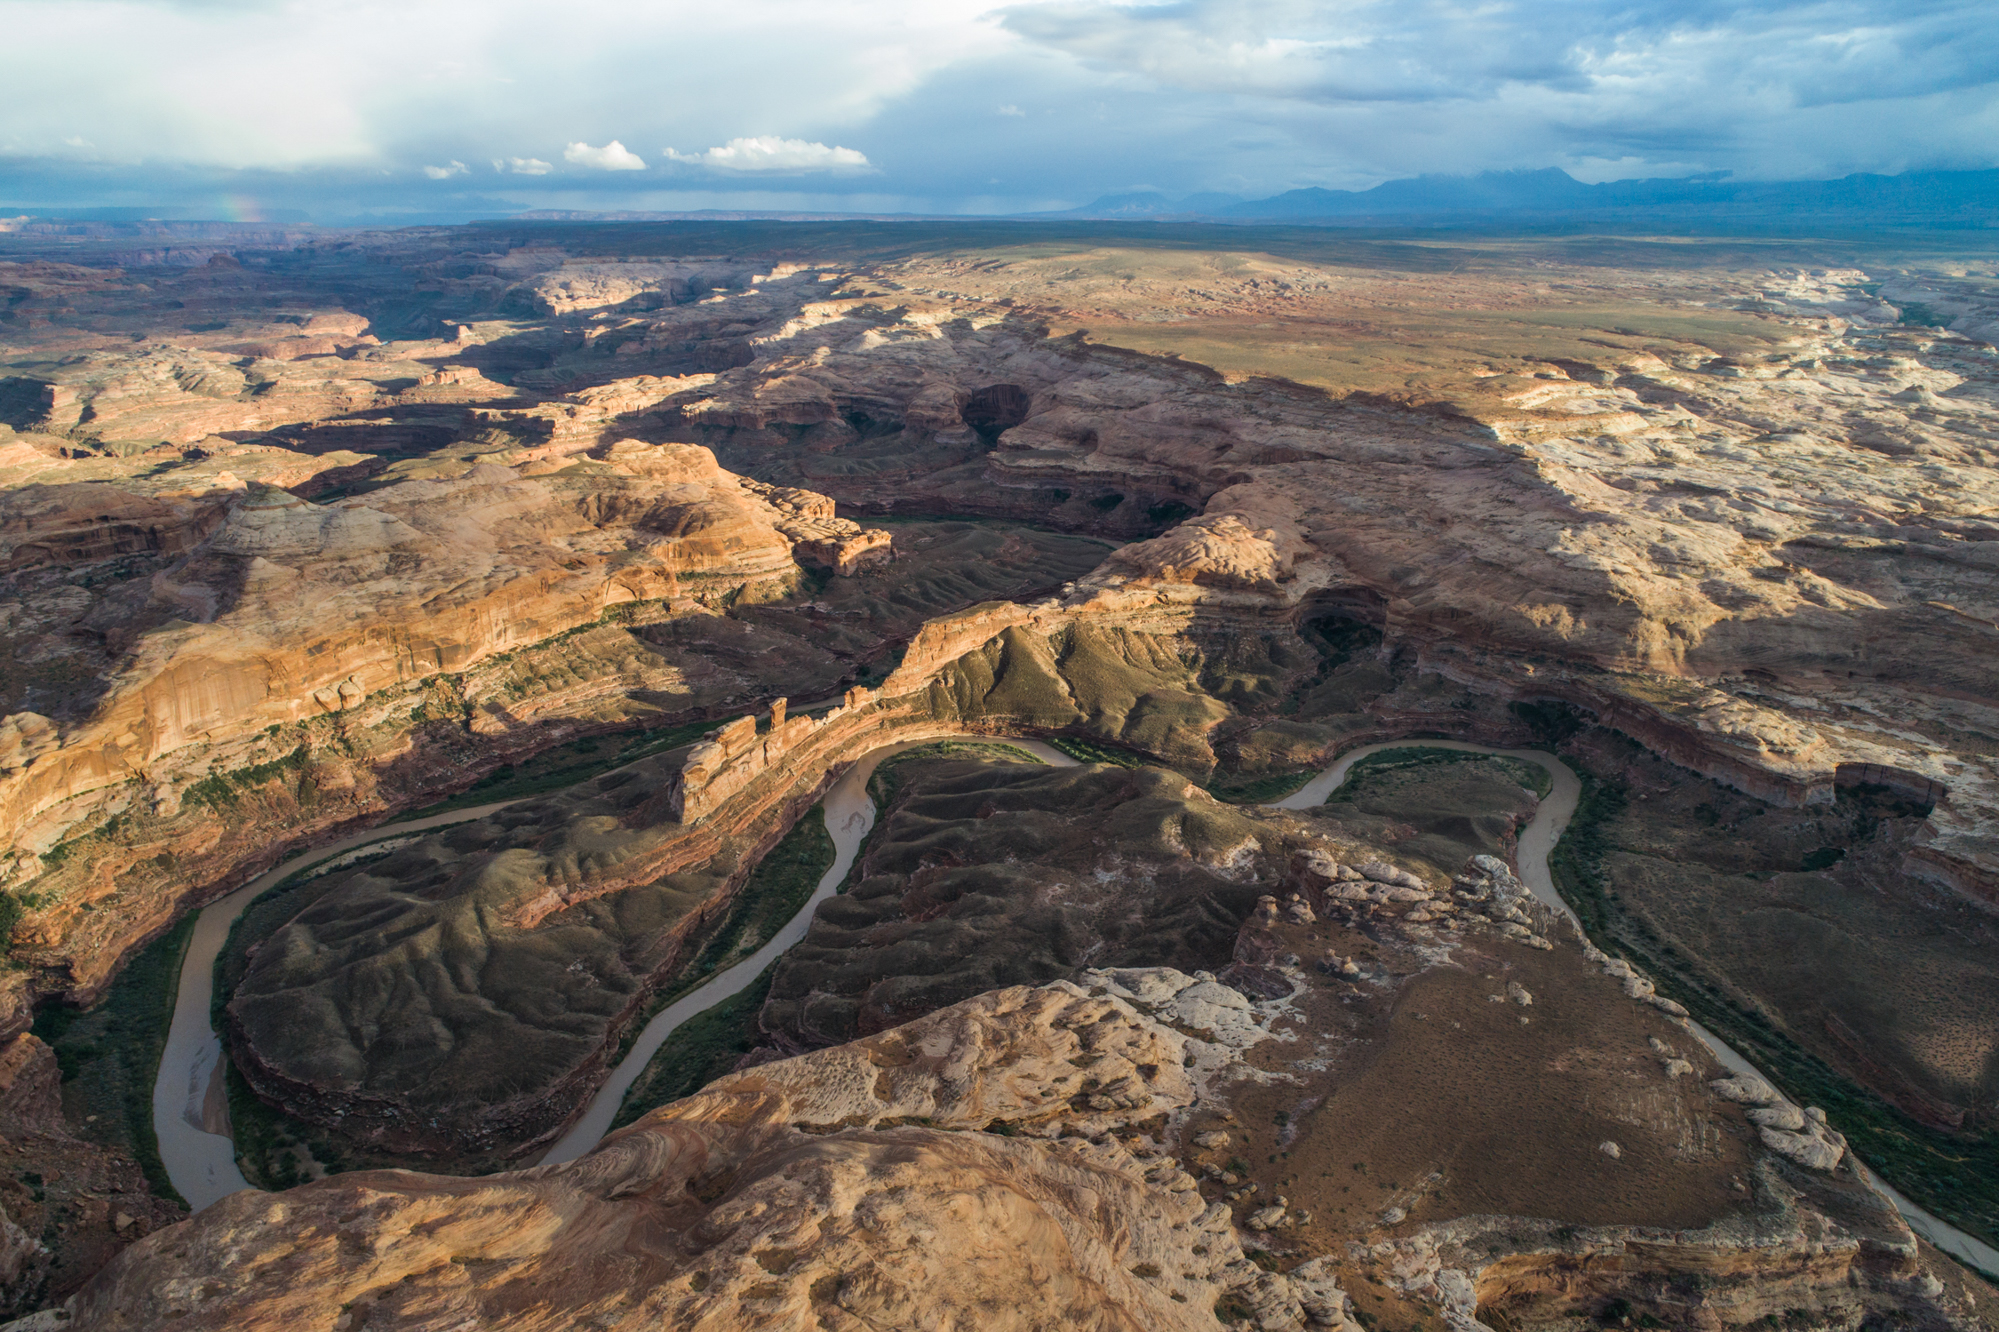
column 1641, row 518
column 827, row 1188
column 1801, row 1135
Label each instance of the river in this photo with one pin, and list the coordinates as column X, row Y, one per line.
column 188, row 1099
column 850, row 817
column 1536, row 843
column 202, row 1164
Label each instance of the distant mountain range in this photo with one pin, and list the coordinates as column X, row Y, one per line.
column 1917, row 198
column 1547, row 200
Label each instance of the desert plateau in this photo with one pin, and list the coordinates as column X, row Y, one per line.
column 1074, row 774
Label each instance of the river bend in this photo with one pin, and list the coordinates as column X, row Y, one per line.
column 187, row 1095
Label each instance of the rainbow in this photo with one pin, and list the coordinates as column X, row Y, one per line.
column 240, row 208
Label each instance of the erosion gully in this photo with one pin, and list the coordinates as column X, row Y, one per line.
column 187, row 1097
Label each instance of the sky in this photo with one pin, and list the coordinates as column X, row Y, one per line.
column 357, row 110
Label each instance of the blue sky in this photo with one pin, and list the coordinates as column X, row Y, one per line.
column 345, row 108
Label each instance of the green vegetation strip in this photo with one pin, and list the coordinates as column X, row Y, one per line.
column 1257, row 790
column 1088, row 751
column 275, row 907
column 218, row 791
column 110, row 1053
column 1530, row 776
column 709, row 1044
column 778, row 889
column 700, row 1050
column 273, row 1150
column 887, row 780
column 1953, row 1175
column 276, row 1151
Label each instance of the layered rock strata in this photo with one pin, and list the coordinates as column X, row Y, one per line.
column 437, row 1034
column 366, row 1012
column 832, row 1188
column 274, row 633
column 1727, row 554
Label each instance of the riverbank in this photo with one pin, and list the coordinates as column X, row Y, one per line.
column 202, row 1164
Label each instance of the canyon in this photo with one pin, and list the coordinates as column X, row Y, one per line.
column 642, row 535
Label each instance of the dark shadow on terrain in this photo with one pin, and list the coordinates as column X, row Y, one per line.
column 1799, row 935
column 21, row 401
column 556, row 358
column 395, row 437
column 992, row 410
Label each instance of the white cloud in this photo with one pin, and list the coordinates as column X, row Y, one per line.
column 1249, row 96
column 613, row 156
column 445, row 172
column 767, row 152
column 1365, row 91
column 285, row 84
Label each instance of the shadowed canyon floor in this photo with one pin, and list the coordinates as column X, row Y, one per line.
column 650, row 532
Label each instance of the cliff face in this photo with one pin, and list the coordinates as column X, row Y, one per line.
column 1723, row 551
column 1154, row 653
column 407, row 1005
column 67, row 1204
column 1627, row 508
column 586, row 898
column 277, row 635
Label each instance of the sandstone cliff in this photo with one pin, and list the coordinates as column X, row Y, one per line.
column 274, row 632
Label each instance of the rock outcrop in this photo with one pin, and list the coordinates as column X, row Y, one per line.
column 1625, row 519
column 899, row 1180
column 868, row 1184
column 67, row 1204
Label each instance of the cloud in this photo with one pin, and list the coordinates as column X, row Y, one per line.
column 1355, row 89
column 613, row 156
column 304, row 104
column 770, row 153
column 445, row 172
column 1423, row 50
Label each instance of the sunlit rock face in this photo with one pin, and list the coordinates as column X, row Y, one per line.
column 270, row 621
column 903, row 1178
